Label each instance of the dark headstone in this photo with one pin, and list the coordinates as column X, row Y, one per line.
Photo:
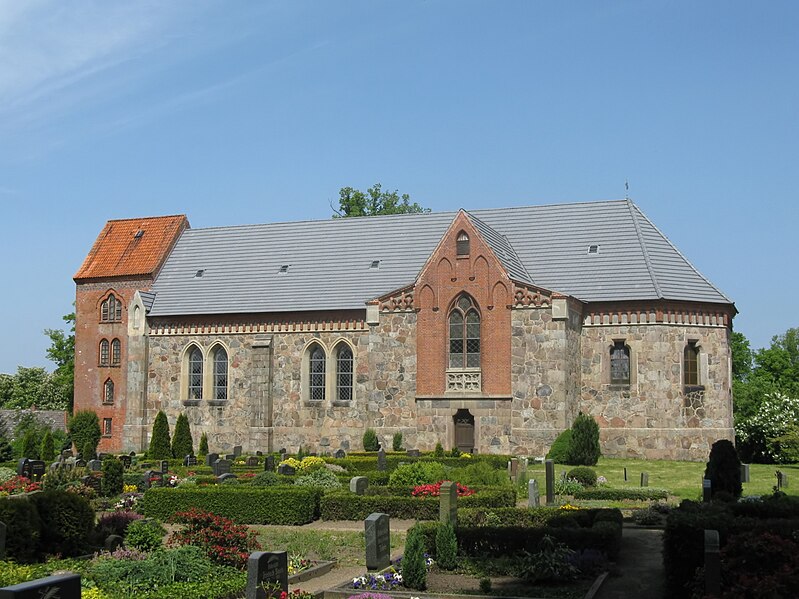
column 237, row 450
column 38, row 469
column 625, row 474
column 126, row 461
column 211, row 458
column 533, row 494
column 190, row 460
column 164, row 466
column 102, row 456
column 62, row 586
column 67, row 453
column 707, row 490
column 252, row 462
column 24, row 468
column 221, row 467
column 230, row 457
column 340, row 454
column 448, row 502
column 259, row 453
column 132, row 454
column 92, row 482
column 269, row 463
column 286, row 469
column 95, row 465
column 381, row 460
column 550, row 470
column 152, row 478
column 79, row 463
column 378, row 542
column 413, row 453
column 2, row 540
column 359, row 484
column 226, row 476
column 782, row 479
column 712, row 564
column 513, row 468
column 644, row 479
column 266, row 568
column 744, row 473
column 112, row 542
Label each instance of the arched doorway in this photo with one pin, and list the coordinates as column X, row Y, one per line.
column 464, row 430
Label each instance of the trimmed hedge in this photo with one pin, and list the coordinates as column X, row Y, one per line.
column 344, row 505
column 23, row 528
column 639, row 494
column 241, row 503
column 359, row 464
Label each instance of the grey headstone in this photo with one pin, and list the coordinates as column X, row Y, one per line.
column 62, row 586
column 413, row 453
column 359, row 484
column 190, row 460
column 286, row 470
column 93, row 482
column 211, row 458
column 381, row 460
column 340, row 454
column 533, row 494
column 221, row 467
column 378, row 542
column 744, row 473
column 782, row 479
column 80, row 463
column 164, row 466
column 266, row 568
column 112, row 542
column 55, row 466
column 24, row 468
column 67, row 453
column 448, row 502
column 38, row 469
column 269, row 463
column 2, row 540
column 237, row 450
column 252, row 461
column 226, row 476
column 513, row 468
column 126, row 461
column 550, row 470
column 644, row 479
column 707, row 490
column 95, row 465
column 230, row 457
column 712, row 564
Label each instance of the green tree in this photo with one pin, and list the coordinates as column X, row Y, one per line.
column 84, row 429
column 203, row 450
column 47, row 451
column 182, row 443
column 353, row 202
column 33, row 387
column 30, row 447
column 62, row 353
column 742, row 356
column 113, row 477
column 414, row 568
column 160, row 448
column 584, row 446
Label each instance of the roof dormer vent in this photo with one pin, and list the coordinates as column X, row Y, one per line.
column 284, row 268
column 138, row 234
column 593, row 249
column 375, row 264
column 199, row 274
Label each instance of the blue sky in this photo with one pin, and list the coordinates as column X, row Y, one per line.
column 251, row 112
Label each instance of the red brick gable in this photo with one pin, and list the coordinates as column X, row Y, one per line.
column 121, row 251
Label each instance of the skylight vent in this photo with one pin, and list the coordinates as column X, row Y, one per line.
column 375, row 264
column 284, row 268
column 138, row 234
column 593, row 249
column 199, row 274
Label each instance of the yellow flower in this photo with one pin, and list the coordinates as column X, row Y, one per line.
column 466, row 456
column 569, row 506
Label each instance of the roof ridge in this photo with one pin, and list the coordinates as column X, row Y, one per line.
column 647, row 260
column 139, row 218
column 679, row 253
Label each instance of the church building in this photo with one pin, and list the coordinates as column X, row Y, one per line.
column 486, row 330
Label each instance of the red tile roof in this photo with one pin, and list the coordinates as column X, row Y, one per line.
column 132, row 247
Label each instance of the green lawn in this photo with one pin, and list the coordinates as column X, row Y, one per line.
column 683, row 479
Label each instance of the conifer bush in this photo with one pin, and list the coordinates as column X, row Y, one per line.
column 113, row 474
column 414, row 564
column 84, row 427
column 446, row 546
column 30, row 448
column 439, row 451
column 370, row 442
column 47, row 451
column 89, row 451
column 584, row 447
column 559, row 452
column 203, row 450
column 724, row 469
column 396, row 442
column 182, row 443
column 160, row 448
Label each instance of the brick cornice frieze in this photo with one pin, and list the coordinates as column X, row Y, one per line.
column 658, row 312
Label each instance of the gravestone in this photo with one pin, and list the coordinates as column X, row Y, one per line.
column 67, row 453
column 286, row 470
column 237, row 450
column 381, row 460
column 80, row 463
column 513, row 468
column 211, row 458
column 126, row 461
column 625, row 474
column 190, row 460
column 252, row 462
column 55, row 466
column 62, row 586
column 340, row 454
column 164, row 466
column 95, row 465
column 266, row 568
column 2, row 540
column 712, row 564
column 744, row 473
column 269, row 463
column 259, row 453
column 230, row 457
column 221, row 467
column 102, row 456
column 112, row 543
column 644, row 479
column 448, row 503
column 93, row 482
column 550, row 470
column 378, row 542
column 152, row 478
column 38, row 468
column 533, row 494
column 24, row 468
column 132, row 454
column 782, row 479
column 227, row 476
column 707, row 490
column 359, row 484
column 413, row 453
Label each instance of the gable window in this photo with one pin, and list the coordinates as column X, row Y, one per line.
column 106, row 427
column 108, row 392
column 344, row 370
column 195, row 373
column 464, row 334
column 462, row 244
column 111, row 309
column 316, row 378
column 220, row 373
column 691, row 366
column 116, row 352
column 619, row 364
column 104, row 352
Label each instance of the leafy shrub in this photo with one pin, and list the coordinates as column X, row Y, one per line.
column 647, row 517
column 396, row 442
column 759, row 564
column 47, row 450
column 560, row 450
column 480, row 474
column 115, row 523
column 89, row 451
column 203, row 450
column 584, row 446
column 322, row 479
column 265, row 479
column 223, row 541
column 567, row 486
column 84, row 427
column 583, row 475
column 438, row 452
column 759, row 433
column 370, row 442
column 160, row 448
column 23, row 528
column 67, row 522
column 414, row 564
column 551, row 562
column 635, row 494
column 145, row 535
column 446, row 546
column 182, row 443
column 417, row 473
column 6, row 474
column 724, row 469
column 113, row 473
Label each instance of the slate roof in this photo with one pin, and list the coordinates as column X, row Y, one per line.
column 329, row 261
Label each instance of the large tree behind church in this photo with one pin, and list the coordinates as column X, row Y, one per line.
column 354, row 202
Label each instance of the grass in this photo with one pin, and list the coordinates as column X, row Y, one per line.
column 682, row 479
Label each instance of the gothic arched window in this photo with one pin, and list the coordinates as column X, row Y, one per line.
column 108, row 391
column 220, row 373
column 116, row 352
column 464, row 334
column 111, row 309
column 619, row 364
column 691, row 365
column 316, row 372
column 462, row 244
column 344, row 371
column 195, row 373
column 103, row 352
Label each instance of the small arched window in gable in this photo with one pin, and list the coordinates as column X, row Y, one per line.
column 220, row 373
column 108, row 392
column 464, row 334
column 619, row 364
column 116, row 352
column 111, row 309
column 195, row 373
column 462, row 244
column 344, row 370
column 103, row 352
column 316, row 368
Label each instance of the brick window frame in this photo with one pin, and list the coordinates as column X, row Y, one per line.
column 103, row 353
column 108, row 392
column 111, row 309
column 107, row 427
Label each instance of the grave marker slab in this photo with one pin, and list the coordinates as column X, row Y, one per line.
column 413, row 453
column 24, row 468
column 286, row 470
column 80, row 463
column 102, row 456
column 252, row 462
column 513, row 468
column 533, row 494
column 230, row 457
column 359, row 484
column 266, row 568
column 259, row 453
column 269, row 463
column 126, row 461
column 378, row 542
column 381, row 460
column 152, row 478
column 448, row 503
column 340, row 454
column 211, row 458
column 62, row 586
column 550, row 470
column 644, row 479
column 707, row 490
column 38, row 468
column 625, row 474
column 744, row 473
column 190, row 460
column 227, row 476
column 712, row 563
column 237, row 450
column 67, row 453
column 93, row 482
column 112, row 543
column 95, row 465
column 164, row 466
column 221, row 467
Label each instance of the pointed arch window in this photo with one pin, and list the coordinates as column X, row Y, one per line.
column 316, row 371
column 220, row 373
column 619, row 364
column 195, row 373
column 344, row 371
column 464, row 334
column 691, row 365
column 116, row 352
column 108, row 392
column 104, row 352
column 462, row 244
column 111, row 309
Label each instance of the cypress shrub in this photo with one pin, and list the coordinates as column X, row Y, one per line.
column 84, row 427
column 160, row 448
column 89, row 451
column 559, row 452
column 446, row 546
column 30, row 448
column 182, row 443
column 396, row 442
column 414, row 564
column 439, row 451
column 203, row 450
column 724, row 469
column 584, row 448
column 47, row 451
column 370, row 442
column 113, row 476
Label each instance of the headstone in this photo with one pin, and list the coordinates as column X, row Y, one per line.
column 286, row 470
column 744, row 473
column 712, row 564
column 513, row 468
column 2, row 540
column 190, row 460
column 252, row 462
column 164, row 466
column 226, row 476
column 132, row 454
column 211, row 458
column 126, row 461
column 102, row 456
column 378, row 542
column 38, row 468
column 237, row 450
column 92, row 482
column 95, row 465
column 230, row 457
column 707, row 490
column 413, row 453
column 550, row 470
column 340, row 454
column 381, row 460
column 266, row 568
column 625, row 474
column 782, row 479
column 221, row 467
column 152, row 478
column 644, row 479
column 448, row 502
column 359, row 484
column 259, row 453
column 55, row 466
column 24, row 468
column 67, row 453
column 112, row 542
column 533, row 494
column 61, row 586
column 80, row 463
column 269, row 463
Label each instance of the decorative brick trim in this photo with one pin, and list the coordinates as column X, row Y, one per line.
column 162, row 330
column 400, row 300
column 529, row 296
column 686, row 316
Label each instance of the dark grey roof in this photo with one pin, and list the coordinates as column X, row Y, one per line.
column 147, row 298
column 329, row 261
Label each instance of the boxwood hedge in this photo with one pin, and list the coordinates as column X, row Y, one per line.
column 635, row 494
